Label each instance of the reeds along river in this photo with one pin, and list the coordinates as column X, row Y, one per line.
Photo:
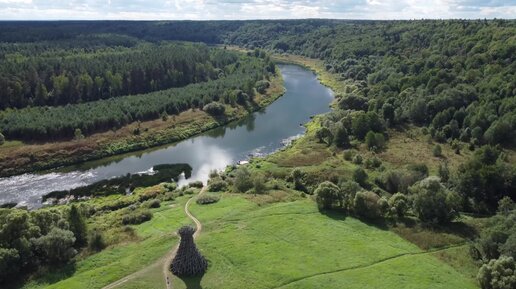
column 258, row 134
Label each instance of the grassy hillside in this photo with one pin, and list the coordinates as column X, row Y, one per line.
column 292, row 245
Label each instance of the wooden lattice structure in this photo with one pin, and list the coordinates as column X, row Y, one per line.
column 188, row 260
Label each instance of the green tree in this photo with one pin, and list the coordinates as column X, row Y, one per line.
column 433, row 203
column 328, row 195
column 242, row 181
column 360, row 176
column 498, row 274
column 77, row 226
column 398, row 204
column 437, row 151
column 367, row 204
column 56, row 247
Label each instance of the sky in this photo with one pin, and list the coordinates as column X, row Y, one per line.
column 253, row 9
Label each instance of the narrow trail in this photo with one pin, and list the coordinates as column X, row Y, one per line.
column 164, row 262
column 371, row 264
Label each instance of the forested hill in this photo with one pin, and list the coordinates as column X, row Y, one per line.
column 455, row 76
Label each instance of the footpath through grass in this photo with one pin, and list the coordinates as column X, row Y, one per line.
column 157, row 237
column 292, row 245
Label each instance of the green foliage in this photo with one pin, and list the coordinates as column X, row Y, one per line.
column 77, row 226
column 375, row 141
column 56, row 247
column 360, row 176
column 433, row 203
column 136, row 217
column 498, row 274
column 262, row 85
column 242, row 181
column 105, row 114
column 437, row 151
column 328, row 195
column 207, row 199
column 217, row 185
column 486, row 178
column 96, row 240
column 259, row 186
column 215, row 108
column 368, row 205
column 399, row 204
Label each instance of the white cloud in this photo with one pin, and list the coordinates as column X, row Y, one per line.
column 254, row 9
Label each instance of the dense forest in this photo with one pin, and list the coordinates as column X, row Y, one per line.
column 151, row 81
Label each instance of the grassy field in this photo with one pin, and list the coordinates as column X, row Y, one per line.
column 292, row 245
column 156, row 237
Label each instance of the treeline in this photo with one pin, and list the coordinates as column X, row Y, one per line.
column 38, row 75
column 40, row 238
column 235, row 85
column 457, row 76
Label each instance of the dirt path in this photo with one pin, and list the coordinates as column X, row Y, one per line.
column 164, row 262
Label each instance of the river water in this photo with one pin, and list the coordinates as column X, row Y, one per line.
column 260, row 133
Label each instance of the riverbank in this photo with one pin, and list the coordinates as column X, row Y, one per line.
column 17, row 157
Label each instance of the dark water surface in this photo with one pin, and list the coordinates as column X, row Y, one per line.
column 260, row 133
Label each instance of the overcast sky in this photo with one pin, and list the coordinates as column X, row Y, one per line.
column 253, row 9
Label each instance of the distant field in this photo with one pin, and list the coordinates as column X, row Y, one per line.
column 292, row 245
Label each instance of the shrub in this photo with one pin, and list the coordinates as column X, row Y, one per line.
column 373, row 163
column 366, row 205
column 242, row 181
column 214, row 108
column 136, row 217
column 153, row 204
column 357, row 159
column 170, row 186
column 360, row 176
column 498, row 274
column 298, row 178
column 398, row 204
column 196, row 184
column 348, row 155
column 262, row 85
column 437, row 151
column 328, row 196
column 433, row 203
column 217, row 185
column 375, row 141
column 57, row 246
column 207, row 199
column 2, row 139
column 96, row 240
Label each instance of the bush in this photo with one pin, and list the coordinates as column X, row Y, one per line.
column 214, row 108
column 2, row 139
column 207, row 199
column 348, row 155
column 357, row 159
column 398, row 205
column 373, row 163
column 96, row 241
column 217, row 185
column 136, row 217
column 498, row 274
column 262, row 85
column 259, row 184
column 57, row 246
column 433, row 203
column 366, row 204
column 328, row 196
column 437, row 151
column 360, row 176
column 242, row 181
column 375, row 141
column 196, row 184
column 170, row 186
column 153, row 204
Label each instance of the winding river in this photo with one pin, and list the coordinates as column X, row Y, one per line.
column 260, row 133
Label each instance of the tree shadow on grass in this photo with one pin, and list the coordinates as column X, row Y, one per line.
column 43, row 277
column 192, row 282
column 333, row 214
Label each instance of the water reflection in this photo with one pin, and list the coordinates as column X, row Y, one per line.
column 259, row 133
